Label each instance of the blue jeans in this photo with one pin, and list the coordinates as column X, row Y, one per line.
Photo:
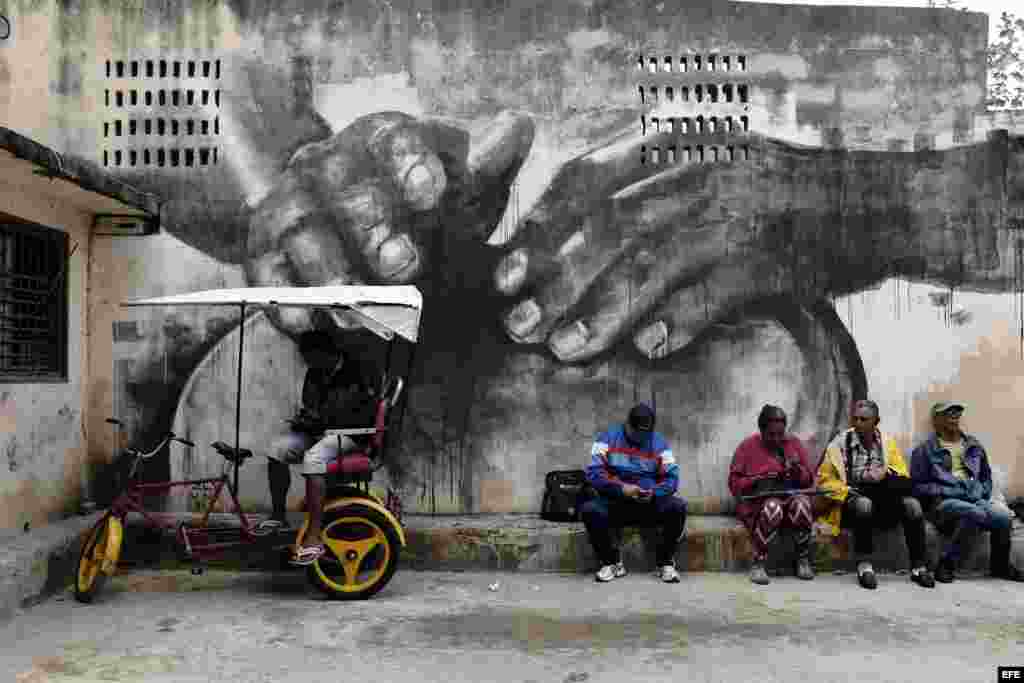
column 956, row 517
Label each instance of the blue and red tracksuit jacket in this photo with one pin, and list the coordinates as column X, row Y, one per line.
column 615, row 461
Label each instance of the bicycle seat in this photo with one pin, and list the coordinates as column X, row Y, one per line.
column 230, row 452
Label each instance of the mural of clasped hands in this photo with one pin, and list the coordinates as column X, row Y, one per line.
column 606, row 245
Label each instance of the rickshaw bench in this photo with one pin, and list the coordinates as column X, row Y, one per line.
column 358, row 465
column 351, row 466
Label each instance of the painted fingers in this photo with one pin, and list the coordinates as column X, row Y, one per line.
column 625, row 258
column 389, row 182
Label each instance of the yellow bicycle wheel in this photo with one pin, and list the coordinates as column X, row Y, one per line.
column 98, row 558
column 362, row 553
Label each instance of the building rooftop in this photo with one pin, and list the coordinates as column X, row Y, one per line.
column 41, row 170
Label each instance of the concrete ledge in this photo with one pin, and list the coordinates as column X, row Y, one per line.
column 711, row 543
column 39, row 563
column 36, row 564
column 518, row 542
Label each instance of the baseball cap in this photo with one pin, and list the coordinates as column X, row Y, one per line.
column 943, row 406
column 641, row 418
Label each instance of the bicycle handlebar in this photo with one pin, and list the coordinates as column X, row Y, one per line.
column 170, row 436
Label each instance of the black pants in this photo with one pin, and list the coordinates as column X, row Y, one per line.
column 882, row 508
column 600, row 515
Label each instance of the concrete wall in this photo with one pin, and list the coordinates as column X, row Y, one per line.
column 42, row 430
column 500, row 157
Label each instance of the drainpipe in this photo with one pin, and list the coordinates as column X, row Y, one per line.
column 86, row 504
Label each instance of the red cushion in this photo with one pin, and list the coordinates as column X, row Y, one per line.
column 350, row 463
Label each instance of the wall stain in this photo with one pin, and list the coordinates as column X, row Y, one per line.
column 69, row 77
column 11, row 455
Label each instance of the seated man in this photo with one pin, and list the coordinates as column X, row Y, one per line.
column 773, row 460
column 953, row 479
column 867, row 486
column 636, row 478
column 333, row 396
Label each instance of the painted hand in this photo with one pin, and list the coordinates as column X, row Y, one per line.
column 621, row 247
column 365, row 206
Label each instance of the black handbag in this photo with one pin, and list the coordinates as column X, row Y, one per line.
column 565, row 492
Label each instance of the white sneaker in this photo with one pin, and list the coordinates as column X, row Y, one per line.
column 611, row 571
column 669, row 574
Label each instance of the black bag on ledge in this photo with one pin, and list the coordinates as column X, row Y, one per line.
column 565, row 492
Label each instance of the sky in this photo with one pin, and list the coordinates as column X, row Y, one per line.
column 993, row 8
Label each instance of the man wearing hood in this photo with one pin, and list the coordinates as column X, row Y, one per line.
column 636, row 477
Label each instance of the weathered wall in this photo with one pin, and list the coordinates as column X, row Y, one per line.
column 499, row 156
column 42, row 443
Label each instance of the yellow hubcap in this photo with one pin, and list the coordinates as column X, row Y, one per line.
column 354, row 541
column 89, row 567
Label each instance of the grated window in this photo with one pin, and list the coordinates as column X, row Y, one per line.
column 201, row 118
column 33, row 302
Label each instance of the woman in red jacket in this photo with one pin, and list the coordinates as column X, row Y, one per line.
column 773, row 460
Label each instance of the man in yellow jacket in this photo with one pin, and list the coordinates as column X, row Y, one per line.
column 867, row 486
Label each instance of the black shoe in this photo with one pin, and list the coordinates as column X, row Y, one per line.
column 922, row 577
column 867, row 579
column 944, row 572
column 1011, row 573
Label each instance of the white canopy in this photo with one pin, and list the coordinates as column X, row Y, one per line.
column 396, row 308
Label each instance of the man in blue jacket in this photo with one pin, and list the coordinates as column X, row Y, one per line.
column 953, row 480
column 636, row 477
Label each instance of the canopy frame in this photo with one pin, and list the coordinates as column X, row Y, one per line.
column 354, row 300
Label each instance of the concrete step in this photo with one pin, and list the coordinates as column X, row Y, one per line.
column 520, row 542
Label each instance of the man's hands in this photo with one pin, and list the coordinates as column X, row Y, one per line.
column 637, row 493
column 875, row 473
column 793, row 471
column 307, row 420
column 973, row 490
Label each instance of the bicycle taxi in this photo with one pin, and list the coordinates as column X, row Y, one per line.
column 362, row 533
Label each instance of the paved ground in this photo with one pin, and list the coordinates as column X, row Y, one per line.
column 433, row 626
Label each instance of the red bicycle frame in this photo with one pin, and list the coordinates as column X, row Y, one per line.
column 200, row 542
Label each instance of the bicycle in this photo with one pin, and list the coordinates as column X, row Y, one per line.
column 102, row 548
column 361, row 531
